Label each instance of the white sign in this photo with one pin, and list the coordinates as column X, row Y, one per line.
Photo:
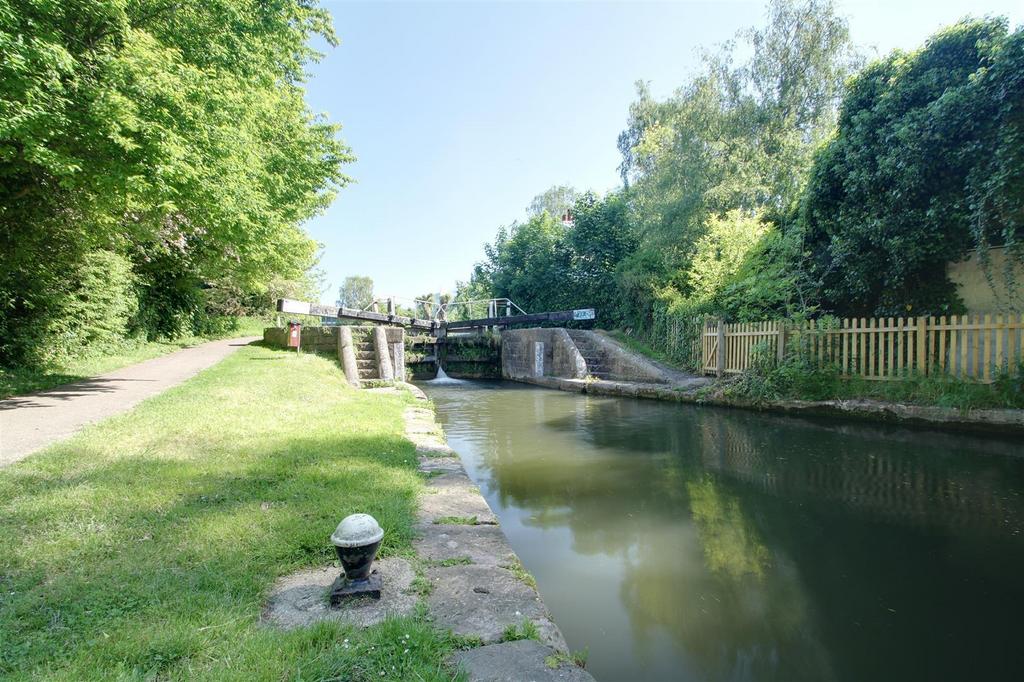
column 287, row 305
column 583, row 314
column 538, row 359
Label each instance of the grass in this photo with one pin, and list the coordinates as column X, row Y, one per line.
column 527, row 630
column 21, row 380
column 456, row 521
column 799, row 379
column 558, row 659
column 517, row 569
column 641, row 348
column 144, row 548
column 802, row 379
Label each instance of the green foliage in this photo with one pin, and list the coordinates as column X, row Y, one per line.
column 356, row 292
column 926, row 164
column 735, row 138
column 514, row 633
column 721, row 250
column 801, row 377
column 709, row 173
column 770, row 281
column 544, row 265
column 554, row 201
column 173, row 134
column 577, row 658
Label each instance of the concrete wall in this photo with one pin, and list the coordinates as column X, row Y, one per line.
column 557, row 356
column 621, row 363
column 974, row 288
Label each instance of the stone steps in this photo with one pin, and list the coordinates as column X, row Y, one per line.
column 595, row 356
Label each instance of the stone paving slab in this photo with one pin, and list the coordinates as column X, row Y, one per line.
column 483, row 545
column 451, row 479
column 443, row 465
column 432, row 448
column 522, row 661
column 464, row 502
column 483, row 601
column 301, row 598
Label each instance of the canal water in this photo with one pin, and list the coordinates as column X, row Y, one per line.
column 693, row 543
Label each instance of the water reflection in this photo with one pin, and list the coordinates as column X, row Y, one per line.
column 686, row 543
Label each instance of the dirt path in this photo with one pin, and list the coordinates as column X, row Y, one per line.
column 32, row 422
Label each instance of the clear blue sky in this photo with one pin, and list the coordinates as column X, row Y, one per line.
column 459, row 113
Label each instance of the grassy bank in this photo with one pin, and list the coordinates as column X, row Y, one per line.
column 144, row 547
column 21, row 380
column 799, row 378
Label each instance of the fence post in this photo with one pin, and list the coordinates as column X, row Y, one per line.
column 780, row 345
column 721, row 349
column 922, row 347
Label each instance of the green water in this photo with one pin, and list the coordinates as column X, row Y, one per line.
column 694, row 543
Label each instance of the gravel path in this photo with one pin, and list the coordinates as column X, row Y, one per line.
column 32, row 422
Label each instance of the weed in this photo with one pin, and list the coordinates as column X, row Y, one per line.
column 457, row 521
column 558, row 659
column 516, row 568
column 527, row 630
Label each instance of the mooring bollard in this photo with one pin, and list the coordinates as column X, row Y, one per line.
column 356, row 539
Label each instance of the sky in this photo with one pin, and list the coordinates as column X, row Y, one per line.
column 460, row 113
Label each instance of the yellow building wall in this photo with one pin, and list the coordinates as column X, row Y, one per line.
column 978, row 294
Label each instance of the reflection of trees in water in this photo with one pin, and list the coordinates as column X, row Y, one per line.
column 710, row 510
column 731, row 544
column 860, row 469
column 695, row 566
column 731, row 626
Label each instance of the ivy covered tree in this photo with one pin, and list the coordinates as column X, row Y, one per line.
column 172, row 133
column 927, row 163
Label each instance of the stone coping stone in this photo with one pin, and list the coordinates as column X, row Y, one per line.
column 301, row 599
column 522, row 661
column 483, row 545
column 429, row 465
column 451, row 479
column 455, row 501
column 430, row 445
column 483, row 601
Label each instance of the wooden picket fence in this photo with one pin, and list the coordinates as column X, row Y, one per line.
column 976, row 347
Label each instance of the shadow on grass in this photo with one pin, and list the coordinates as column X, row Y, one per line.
column 130, row 545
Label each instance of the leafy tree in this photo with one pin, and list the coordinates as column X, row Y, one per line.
column 356, row 292
column 529, row 263
column 733, row 138
column 555, row 200
column 721, row 250
column 601, row 238
column 926, row 164
column 171, row 132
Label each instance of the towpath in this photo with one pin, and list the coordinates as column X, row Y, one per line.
column 32, row 422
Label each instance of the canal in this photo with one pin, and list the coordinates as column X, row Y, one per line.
column 685, row 543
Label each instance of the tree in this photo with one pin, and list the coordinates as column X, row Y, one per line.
column 555, row 201
column 356, row 292
column 926, row 164
column 735, row 138
column 169, row 132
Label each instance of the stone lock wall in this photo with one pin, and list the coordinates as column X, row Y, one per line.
column 540, row 352
column 313, row 339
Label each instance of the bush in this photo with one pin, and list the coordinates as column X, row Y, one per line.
column 798, row 375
